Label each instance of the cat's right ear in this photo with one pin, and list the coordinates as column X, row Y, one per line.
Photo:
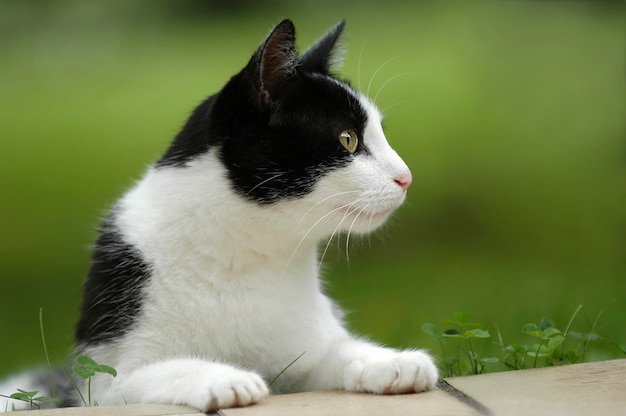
column 276, row 60
column 324, row 55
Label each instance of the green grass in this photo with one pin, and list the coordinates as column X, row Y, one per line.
column 511, row 121
column 467, row 348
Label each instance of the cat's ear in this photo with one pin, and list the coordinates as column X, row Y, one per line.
column 324, row 54
column 277, row 59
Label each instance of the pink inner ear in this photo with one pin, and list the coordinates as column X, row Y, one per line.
column 278, row 57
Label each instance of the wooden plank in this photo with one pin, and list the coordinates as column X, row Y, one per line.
column 340, row 403
column 127, row 410
column 575, row 390
column 434, row 403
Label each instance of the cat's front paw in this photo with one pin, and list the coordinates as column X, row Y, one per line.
column 235, row 388
column 391, row 372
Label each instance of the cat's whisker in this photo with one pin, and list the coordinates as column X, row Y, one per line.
column 358, row 68
column 335, row 232
column 350, row 231
column 392, row 79
column 313, row 226
column 271, row 178
column 369, row 229
column 324, row 200
column 384, row 64
column 321, row 260
column 387, row 111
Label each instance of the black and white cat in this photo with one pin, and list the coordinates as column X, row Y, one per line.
column 205, row 284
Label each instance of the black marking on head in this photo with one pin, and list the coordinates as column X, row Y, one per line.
column 288, row 157
column 275, row 125
column 113, row 290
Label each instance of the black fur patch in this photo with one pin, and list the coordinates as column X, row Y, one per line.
column 193, row 139
column 113, row 290
column 269, row 161
column 275, row 124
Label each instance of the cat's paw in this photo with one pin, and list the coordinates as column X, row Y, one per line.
column 235, row 388
column 391, row 372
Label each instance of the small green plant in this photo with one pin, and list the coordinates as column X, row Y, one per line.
column 553, row 346
column 85, row 368
column 464, row 345
column 468, row 345
column 31, row 398
column 547, row 347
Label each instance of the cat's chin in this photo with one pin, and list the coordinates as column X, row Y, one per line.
column 364, row 220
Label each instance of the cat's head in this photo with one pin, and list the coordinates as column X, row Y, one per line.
column 292, row 135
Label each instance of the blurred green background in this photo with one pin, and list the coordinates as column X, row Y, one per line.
column 510, row 115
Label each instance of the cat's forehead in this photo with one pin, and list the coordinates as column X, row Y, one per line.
column 319, row 102
column 367, row 106
column 373, row 113
column 351, row 98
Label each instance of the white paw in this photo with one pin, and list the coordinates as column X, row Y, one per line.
column 235, row 388
column 391, row 372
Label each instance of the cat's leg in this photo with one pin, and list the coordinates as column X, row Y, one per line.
column 201, row 384
column 357, row 365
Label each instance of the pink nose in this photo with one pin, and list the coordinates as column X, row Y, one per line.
column 404, row 180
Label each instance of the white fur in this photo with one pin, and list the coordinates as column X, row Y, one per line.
column 235, row 295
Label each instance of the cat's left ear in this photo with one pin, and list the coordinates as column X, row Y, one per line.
column 325, row 53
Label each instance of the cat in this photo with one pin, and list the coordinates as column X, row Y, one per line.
column 204, row 283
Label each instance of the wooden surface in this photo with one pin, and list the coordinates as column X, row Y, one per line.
column 572, row 390
column 580, row 389
column 128, row 410
column 331, row 403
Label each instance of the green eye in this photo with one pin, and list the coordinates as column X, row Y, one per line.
column 349, row 140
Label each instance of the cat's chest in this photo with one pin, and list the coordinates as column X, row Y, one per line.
column 250, row 320
column 222, row 304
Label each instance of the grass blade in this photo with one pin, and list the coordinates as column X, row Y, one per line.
column 285, row 369
column 45, row 350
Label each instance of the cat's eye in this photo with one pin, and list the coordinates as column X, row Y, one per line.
column 349, row 139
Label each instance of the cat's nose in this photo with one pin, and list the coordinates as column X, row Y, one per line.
column 404, row 179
